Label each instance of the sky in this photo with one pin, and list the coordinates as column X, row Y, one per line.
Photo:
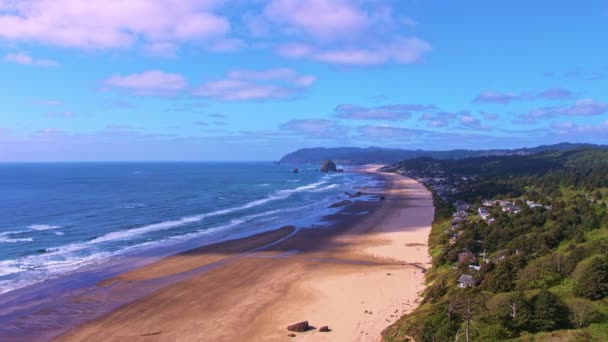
column 145, row 80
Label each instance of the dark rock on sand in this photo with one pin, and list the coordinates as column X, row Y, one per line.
column 329, row 166
column 340, row 204
column 356, row 194
column 299, row 327
column 291, row 335
column 324, row 328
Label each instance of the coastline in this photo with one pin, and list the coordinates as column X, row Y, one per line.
column 358, row 275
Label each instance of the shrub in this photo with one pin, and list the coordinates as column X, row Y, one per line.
column 582, row 312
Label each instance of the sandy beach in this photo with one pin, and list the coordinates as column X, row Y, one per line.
column 357, row 277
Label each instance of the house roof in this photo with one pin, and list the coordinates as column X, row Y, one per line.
column 467, row 279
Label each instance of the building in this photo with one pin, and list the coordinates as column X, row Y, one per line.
column 465, row 281
column 484, row 213
column 467, row 257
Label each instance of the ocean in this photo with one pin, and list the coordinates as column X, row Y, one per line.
column 60, row 218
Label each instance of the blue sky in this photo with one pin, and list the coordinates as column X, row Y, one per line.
column 252, row 80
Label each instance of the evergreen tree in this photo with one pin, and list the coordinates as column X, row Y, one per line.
column 549, row 312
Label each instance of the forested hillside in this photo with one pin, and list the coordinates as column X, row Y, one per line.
column 519, row 247
column 371, row 155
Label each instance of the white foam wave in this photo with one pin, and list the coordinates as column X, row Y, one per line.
column 43, row 227
column 9, row 240
column 132, row 206
column 120, row 235
column 6, row 237
column 329, row 187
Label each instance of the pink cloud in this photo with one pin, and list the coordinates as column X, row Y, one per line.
column 25, row 59
column 277, row 74
column 400, row 50
column 110, row 23
column 314, row 127
column 234, row 90
column 345, row 32
column 569, row 127
column 505, row 98
column 324, row 19
column 257, row 85
column 148, row 82
column 585, row 107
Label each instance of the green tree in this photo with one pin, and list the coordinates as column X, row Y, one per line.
column 582, row 312
column 502, row 278
column 512, row 310
column 549, row 312
column 590, row 278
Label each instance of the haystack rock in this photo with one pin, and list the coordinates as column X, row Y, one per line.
column 329, row 166
column 298, row 327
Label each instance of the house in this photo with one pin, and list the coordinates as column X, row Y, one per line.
column 467, row 257
column 484, row 213
column 511, row 208
column 505, row 203
column 462, row 205
column 490, row 203
column 466, row 281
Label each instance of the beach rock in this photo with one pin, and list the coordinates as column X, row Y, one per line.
column 340, row 170
column 296, row 170
column 291, row 335
column 356, row 194
column 299, row 327
column 324, row 328
column 329, row 166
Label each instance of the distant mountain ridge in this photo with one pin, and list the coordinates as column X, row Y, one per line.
column 358, row 155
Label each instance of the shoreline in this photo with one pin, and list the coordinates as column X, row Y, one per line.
column 252, row 288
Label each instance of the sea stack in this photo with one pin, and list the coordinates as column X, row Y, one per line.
column 329, row 166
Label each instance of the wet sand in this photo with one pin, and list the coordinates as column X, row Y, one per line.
column 356, row 276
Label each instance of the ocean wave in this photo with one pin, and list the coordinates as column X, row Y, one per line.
column 329, row 187
column 136, row 232
column 43, row 227
column 132, row 206
column 62, row 260
column 123, row 234
column 5, row 237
